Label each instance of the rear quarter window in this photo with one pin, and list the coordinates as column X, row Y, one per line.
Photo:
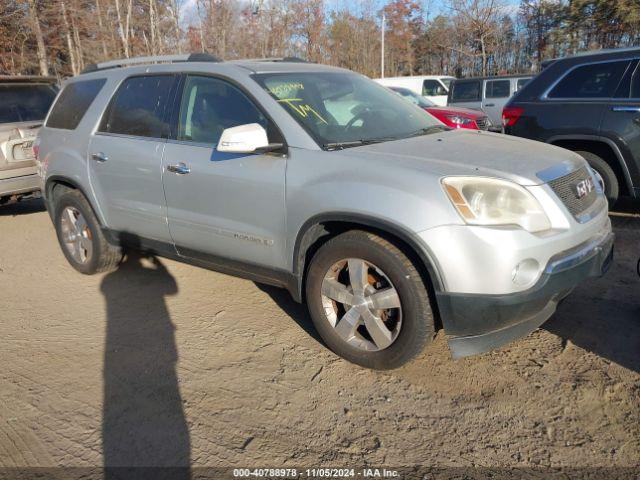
column 598, row 80
column 73, row 102
column 465, row 91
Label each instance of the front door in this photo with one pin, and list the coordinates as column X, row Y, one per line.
column 621, row 122
column 223, row 205
column 125, row 157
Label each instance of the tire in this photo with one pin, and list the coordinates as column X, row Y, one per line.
column 99, row 255
column 611, row 185
column 409, row 327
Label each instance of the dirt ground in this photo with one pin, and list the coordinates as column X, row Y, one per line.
column 167, row 364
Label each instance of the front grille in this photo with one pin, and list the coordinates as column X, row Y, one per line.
column 483, row 123
column 565, row 188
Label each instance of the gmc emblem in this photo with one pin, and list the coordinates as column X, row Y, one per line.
column 584, row 187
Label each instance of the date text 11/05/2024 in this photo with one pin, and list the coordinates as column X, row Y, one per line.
column 315, row 473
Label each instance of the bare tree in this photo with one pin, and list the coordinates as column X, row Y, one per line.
column 37, row 32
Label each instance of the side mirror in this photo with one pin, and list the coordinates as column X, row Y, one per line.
column 249, row 138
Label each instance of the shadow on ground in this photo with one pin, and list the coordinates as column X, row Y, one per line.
column 297, row 311
column 143, row 423
column 603, row 315
column 22, row 208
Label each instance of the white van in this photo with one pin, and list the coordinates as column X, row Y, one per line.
column 433, row 87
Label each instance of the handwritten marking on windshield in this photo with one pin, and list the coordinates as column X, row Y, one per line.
column 286, row 89
column 302, row 109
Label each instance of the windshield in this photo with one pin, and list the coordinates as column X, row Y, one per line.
column 341, row 109
column 25, row 102
column 413, row 97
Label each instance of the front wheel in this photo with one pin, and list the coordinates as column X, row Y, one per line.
column 368, row 302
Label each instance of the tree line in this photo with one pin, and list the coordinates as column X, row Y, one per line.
column 463, row 38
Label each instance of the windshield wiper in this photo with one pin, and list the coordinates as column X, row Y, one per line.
column 428, row 130
column 355, row 143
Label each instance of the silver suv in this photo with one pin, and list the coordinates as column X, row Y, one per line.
column 388, row 224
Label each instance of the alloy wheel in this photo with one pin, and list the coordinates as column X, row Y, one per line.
column 76, row 235
column 361, row 304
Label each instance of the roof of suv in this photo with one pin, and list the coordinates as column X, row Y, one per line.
column 283, row 64
column 581, row 56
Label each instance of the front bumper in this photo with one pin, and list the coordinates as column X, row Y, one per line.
column 476, row 323
column 17, row 185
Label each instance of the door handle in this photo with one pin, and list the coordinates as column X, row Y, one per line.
column 99, row 157
column 179, row 168
column 490, row 105
column 625, row 108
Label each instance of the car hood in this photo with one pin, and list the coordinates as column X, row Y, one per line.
column 479, row 153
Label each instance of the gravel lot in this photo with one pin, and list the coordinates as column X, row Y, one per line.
column 161, row 363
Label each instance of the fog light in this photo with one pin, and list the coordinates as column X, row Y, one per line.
column 525, row 272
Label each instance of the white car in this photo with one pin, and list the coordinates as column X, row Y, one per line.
column 432, row 87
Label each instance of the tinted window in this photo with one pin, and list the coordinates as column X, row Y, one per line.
column 498, row 88
column 590, row 81
column 73, row 102
column 465, row 91
column 210, row 106
column 635, row 83
column 139, row 106
column 431, row 88
column 521, row 83
column 25, row 102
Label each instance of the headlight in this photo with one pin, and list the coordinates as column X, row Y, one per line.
column 490, row 201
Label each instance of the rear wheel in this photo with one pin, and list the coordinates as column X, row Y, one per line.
column 368, row 301
column 80, row 236
column 604, row 174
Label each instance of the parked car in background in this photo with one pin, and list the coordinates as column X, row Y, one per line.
column 450, row 116
column 377, row 220
column 433, row 87
column 588, row 103
column 489, row 94
column 24, row 103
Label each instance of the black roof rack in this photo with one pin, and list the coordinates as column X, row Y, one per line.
column 126, row 62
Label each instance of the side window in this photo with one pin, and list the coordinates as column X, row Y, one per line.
column 521, row 83
column 138, row 107
column 432, row 88
column 466, row 91
column 73, row 103
column 210, row 105
column 497, row 89
column 590, row 81
column 635, row 84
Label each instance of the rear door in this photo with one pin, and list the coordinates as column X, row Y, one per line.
column 621, row 121
column 125, row 156
column 496, row 95
column 466, row 93
column 223, row 205
column 576, row 103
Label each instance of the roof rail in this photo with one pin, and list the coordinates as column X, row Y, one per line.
column 274, row 59
column 125, row 62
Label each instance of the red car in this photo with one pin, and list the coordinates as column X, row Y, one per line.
column 453, row 117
